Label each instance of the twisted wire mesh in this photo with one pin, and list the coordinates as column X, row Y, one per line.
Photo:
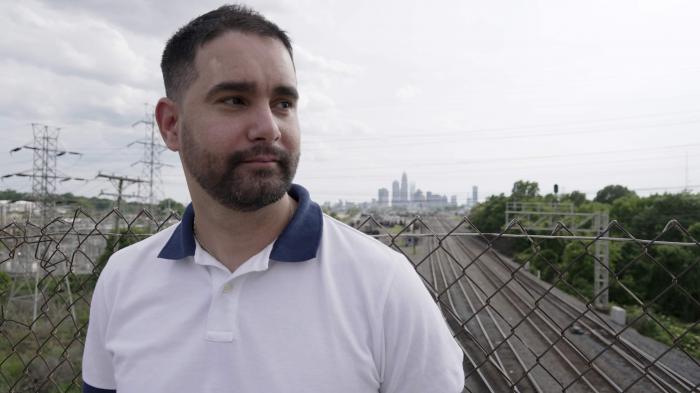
column 518, row 332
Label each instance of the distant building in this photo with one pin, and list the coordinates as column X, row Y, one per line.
column 453, row 200
column 383, row 197
column 404, row 189
column 475, row 195
column 411, row 192
column 418, row 196
column 16, row 211
column 395, row 191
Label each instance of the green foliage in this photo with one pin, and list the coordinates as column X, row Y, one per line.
column 5, row 282
column 667, row 330
column 642, row 274
column 96, row 204
column 611, row 193
column 489, row 215
column 625, row 209
column 694, row 231
column 577, row 198
column 548, row 263
column 577, row 262
column 12, row 195
column 525, row 190
column 167, row 205
column 126, row 237
column 353, row 211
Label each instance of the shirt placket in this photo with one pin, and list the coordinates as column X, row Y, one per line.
column 221, row 324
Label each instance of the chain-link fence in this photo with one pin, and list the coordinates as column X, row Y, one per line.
column 523, row 305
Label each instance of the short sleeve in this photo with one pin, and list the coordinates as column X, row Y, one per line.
column 420, row 354
column 98, row 371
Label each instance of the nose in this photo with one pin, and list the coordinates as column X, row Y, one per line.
column 264, row 127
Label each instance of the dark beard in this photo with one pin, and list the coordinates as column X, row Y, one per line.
column 248, row 190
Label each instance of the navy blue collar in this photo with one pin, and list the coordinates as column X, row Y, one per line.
column 298, row 242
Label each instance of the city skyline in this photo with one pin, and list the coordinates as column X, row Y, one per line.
column 401, row 196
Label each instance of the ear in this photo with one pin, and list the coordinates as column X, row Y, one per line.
column 167, row 116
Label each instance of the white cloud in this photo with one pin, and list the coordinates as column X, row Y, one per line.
column 77, row 45
column 386, row 85
column 39, row 94
column 408, row 92
column 308, row 62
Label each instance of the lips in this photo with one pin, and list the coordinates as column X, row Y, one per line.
column 261, row 159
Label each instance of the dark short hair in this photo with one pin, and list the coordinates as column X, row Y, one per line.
column 177, row 63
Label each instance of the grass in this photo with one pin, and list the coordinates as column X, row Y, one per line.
column 667, row 330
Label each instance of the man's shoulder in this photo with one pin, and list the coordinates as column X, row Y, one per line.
column 358, row 251
column 340, row 234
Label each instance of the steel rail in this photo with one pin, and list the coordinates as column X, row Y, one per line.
column 574, row 370
column 538, row 331
column 494, row 348
column 467, row 351
column 506, row 338
column 474, row 313
column 645, row 370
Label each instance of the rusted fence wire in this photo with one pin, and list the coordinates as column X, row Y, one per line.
column 521, row 303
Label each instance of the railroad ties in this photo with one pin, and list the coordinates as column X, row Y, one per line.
column 522, row 334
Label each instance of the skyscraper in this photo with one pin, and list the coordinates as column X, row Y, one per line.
column 404, row 189
column 395, row 191
column 475, row 195
column 383, row 197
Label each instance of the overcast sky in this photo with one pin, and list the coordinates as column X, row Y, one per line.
column 455, row 93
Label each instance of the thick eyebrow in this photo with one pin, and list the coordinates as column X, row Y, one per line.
column 289, row 91
column 231, row 86
column 249, row 87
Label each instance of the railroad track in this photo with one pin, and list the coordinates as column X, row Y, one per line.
column 496, row 362
column 517, row 330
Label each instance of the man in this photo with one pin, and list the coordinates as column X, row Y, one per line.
column 256, row 290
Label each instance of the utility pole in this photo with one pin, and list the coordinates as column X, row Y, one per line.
column 150, row 161
column 118, row 183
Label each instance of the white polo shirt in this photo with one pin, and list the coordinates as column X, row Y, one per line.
column 324, row 308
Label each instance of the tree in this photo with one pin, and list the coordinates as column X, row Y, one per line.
column 612, row 192
column 625, row 209
column 694, row 231
column 523, row 189
column 576, row 197
column 167, row 205
column 13, row 195
column 489, row 215
column 577, row 264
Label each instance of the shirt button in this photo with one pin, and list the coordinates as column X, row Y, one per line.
column 228, row 288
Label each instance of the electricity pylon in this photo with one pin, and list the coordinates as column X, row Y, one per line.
column 150, row 160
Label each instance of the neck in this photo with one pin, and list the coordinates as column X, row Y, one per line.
column 231, row 236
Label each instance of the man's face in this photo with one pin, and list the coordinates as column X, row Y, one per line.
column 239, row 131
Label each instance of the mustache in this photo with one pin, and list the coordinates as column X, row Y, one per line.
column 280, row 155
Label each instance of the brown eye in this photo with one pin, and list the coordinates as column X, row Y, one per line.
column 285, row 104
column 233, row 101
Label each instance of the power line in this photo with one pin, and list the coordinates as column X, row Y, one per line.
column 151, row 163
column 44, row 173
column 118, row 183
